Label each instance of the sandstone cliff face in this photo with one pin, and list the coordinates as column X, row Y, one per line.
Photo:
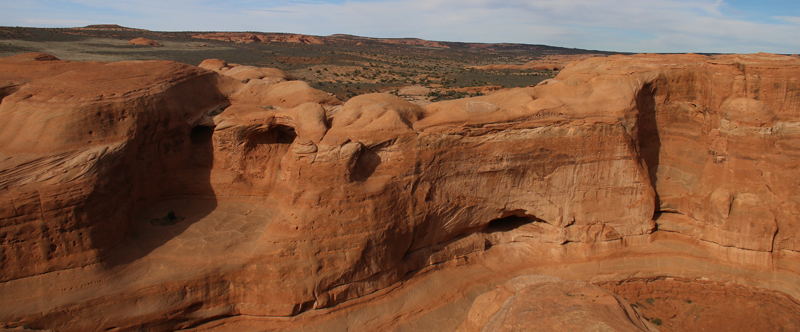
column 74, row 148
column 155, row 194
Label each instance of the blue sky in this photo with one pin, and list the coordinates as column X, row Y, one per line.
column 730, row 26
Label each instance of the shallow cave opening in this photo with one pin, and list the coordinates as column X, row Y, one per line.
column 279, row 134
column 510, row 221
column 201, row 134
column 264, row 150
column 285, row 134
column 201, row 155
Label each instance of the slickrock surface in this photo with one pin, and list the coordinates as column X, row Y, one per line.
column 692, row 305
column 542, row 303
column 164, row 196
column 245, row 73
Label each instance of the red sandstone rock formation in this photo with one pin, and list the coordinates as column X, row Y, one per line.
column 246, row 38
column 697, row 305
column 107, row 27
column 143, row 41
column 245, row 73
column 545, row 303
column 159, row 195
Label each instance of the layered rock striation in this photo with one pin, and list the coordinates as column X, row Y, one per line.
column 160, row 195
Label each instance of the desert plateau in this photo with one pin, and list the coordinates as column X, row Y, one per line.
column 251, row 181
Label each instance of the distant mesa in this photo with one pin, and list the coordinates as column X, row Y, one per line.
column 249, row 38
column 256, row 37
column 143, row 41
column 105, row 26
column 111, row 27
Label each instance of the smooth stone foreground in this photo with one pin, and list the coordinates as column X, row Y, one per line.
column 160, row 196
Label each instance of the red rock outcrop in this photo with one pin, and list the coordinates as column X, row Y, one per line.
column 247, row 38
column 544, row 303
column 164, row 196
column 143, row 41
column 245, row 73
column 108, row 27
column 696, row 305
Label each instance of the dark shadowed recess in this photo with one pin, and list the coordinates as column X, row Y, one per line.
column 647, row 136
column 366, row 164
column 510, row 223
column 187, row 177
column 280, row 134
column 368, row 161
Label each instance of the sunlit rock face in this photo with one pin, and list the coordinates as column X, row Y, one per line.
column 160, row 195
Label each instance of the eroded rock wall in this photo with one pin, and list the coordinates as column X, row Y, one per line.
column 85, row 145
column 343, row 201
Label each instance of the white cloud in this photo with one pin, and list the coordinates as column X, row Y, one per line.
column 621, row 25
column 625, row 25
column 790, row 19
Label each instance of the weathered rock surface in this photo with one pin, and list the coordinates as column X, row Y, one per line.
column 245, row 73
column 414, row 90
column 143, row 41
column 696, row 305
column 164, row 196
column 543, row 303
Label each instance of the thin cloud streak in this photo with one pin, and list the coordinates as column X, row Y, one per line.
column 789, row 19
